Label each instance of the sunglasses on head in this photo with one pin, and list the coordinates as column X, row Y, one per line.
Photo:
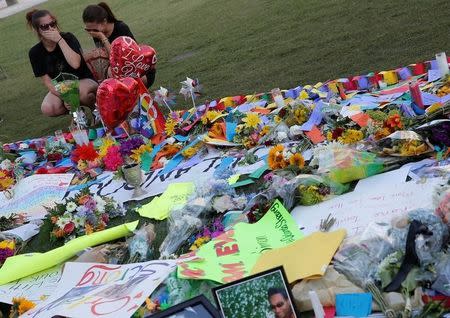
column 92, row 30
column 46, row 27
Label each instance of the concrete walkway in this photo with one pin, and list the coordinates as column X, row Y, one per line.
column 22, row 5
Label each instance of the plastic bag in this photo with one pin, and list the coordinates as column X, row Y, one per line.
column 67, row 85
column 442, row 283
column 140, row 245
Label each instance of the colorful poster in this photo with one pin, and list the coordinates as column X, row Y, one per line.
column 233, row 254
column 32, row 194
column 103, row 290
column 36, row 287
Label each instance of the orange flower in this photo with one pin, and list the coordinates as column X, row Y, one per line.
column 88, row 229
column 394, row 121
column 217, row 131
column 59, row 233
column 83, row 199
column 297, row 160
column 54, row 219
column 276, row 158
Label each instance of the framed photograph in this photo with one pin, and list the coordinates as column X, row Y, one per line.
column 264, row 295
column 198, row 307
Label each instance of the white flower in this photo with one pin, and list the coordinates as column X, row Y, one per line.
column 98, row 199
column 79, row 221
column 295, row 130
column 281, row 135
column 101, row 206
column 6, row 164
column 71, row 206
column 63, row 220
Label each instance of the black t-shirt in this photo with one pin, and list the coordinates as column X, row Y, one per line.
column 53, row 63
column 120, row 29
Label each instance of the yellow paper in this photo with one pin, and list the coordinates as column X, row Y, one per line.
column 305, row 258
column 233, row 179
column 160, row 207
column 227, row 101
column 23, row 265
column 390, row 77
column 303, row 95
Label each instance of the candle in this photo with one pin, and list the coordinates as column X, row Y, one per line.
column 442, row 63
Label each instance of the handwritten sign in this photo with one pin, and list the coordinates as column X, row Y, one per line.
column 35, row 287
column 355, row 210
column 34, row 193
column 152, row 181
column 233, row 254
column 103, row 290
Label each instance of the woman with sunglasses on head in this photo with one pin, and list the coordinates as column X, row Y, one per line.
column 104, row 28
column 58, row 52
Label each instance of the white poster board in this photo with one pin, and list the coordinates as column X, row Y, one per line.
column 355, row 210
column 103, row 290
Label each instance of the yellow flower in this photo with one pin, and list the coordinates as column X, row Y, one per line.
column 210, row 116
column 297, row 160
column 7, row 244
column 22, row 304
column 277, row 119
column 251, row 120
column 265, row 130
column 5, row 181
column 170, row 127
column 276, row 158
column 190, row 152
column 106, row 143
column 351, row 136
column 137, row 153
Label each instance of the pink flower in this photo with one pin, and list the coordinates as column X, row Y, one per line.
column 69, row 227
column 113, row 159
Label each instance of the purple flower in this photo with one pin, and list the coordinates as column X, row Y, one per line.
column 91, row 218
column 91, row 204
column 82, row 211
column 441, row 134
column 130, row 144
column 206, row 232
column 5, row 253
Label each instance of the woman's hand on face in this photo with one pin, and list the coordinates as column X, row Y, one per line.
column 97, row 35
column 52, row 35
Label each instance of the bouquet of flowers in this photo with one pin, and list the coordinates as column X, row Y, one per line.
column 84, row 214
column 7, row 177
column 67, row 85
column 281, row 157
column 404, row 144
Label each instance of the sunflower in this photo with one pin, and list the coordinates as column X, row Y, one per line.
column 170, row 127
column 137, row 153
column 297, row 160
column 276, row 158
column 252, row 120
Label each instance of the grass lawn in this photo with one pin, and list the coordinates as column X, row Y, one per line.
column 234, row 46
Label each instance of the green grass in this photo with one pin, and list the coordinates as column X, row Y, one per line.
column 235, row 46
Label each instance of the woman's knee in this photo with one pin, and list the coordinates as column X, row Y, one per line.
column 52, row 110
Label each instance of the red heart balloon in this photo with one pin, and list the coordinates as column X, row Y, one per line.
column 116, row 98
column 128, row 59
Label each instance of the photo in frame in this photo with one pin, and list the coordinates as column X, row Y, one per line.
column 198, row 307
column 263, row 295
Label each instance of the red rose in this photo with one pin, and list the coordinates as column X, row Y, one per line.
column 69, row 227
column 105, row 218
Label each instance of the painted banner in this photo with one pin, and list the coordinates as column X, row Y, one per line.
column 103, row 290
column 381, row 202
column 233, row 254
column 34, row 193
column 36, row 287
column 152, row 182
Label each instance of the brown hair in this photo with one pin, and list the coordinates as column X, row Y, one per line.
column 98, row 13
column 34, row 15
